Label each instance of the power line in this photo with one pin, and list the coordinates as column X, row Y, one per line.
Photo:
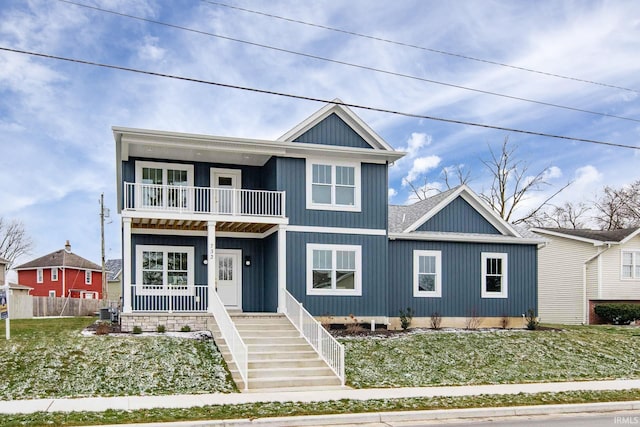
column 442, row 52
column 349, row 64
column 320, row 100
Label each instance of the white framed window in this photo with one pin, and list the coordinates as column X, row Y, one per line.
column 163, row 185
column 630, row 264
column 54, row 274
column 333, row 185
column 39, row 275
column 52, row 294
column 334, row 269
column 161, row 270
column 494, row 275
column 87, row 277
column 427, row 274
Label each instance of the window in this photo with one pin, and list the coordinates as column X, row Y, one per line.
column 39, row 275
column 54, row 274
column 494, row 275
column 333, row 186
column 164, row 269
column 631, row 264
column 427, row 274
column 87, row 277
column 52, row 294
column 334, row 270
column 162, row 184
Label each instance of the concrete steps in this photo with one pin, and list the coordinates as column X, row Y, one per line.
column 279, row 358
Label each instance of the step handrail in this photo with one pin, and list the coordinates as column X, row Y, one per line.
column 238, row 349
column 329, row 349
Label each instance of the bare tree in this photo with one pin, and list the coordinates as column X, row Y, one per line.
column 512, row 182
column 618, row 208
column 458, row 173
column 569, row 215
column 14, row 240
column 423, row 191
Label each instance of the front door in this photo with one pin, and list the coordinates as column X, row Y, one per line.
column 230, row 277
column 225, row 181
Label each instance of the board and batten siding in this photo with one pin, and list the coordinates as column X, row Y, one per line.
column 373, row 213
column 374, row 275
column 462, row 280
column 560, row 279
column 333, row 131
column 459, row 217
column 613, row 286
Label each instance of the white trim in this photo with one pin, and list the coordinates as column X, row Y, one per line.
column 635, row 255
column 437, row 293
column 357, row 194
column 630, row 236
column 211, row 264
column 203, row 233
column 337, row 230
column 165, row 289
column 474, row 238
column 126, row 265
column 504, row 292
column 52, row 294
column 164, row 166
column 282, row 267
column 594, row 242
column 54, row 274
column 357, row 291
column 39, row 275
column 237, row 271
column 149, row 214
column 235, row 173
column 87, row 277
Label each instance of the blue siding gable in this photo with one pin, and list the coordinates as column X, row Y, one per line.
column 459, row 217
column 333, row 131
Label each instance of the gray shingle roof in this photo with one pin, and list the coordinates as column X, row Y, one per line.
column 60, row 258
column 402, row 216
column 599, row 235
column 114, row 267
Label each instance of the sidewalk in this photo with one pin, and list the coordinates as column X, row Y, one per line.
column 187, row 401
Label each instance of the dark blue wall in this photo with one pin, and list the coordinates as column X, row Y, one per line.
column 333, row 131
column 374, row 275
column 459, row 217
column 461, row 279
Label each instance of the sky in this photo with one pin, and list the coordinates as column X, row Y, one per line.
column 57, row 152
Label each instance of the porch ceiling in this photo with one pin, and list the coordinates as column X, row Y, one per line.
column 195, row 225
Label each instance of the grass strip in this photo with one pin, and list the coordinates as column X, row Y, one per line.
column 344, row 406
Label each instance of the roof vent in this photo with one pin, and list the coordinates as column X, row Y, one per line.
column 67, row 246
column 403, row 216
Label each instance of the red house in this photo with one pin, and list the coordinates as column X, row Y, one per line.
column 62, row 274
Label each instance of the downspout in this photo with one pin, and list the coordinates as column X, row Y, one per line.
column 585, row 302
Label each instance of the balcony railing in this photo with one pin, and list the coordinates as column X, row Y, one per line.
column 205, row 200
column 170, row 299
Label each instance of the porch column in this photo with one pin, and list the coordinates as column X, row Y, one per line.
column 282, row 266
column 126, row 265
column 211, row 263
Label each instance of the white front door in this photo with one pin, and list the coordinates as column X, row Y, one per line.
column 229, row 277
column 225, row 181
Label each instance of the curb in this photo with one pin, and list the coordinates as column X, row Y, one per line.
column 408, row 416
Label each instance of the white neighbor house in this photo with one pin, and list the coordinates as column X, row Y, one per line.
column 579, row 268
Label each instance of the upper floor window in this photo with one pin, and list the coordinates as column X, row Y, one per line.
column 427, row 274
column 39, row 275
column 87, row 277
column 54, row 274
column 334, row 270
column 161, row 182
column 494, row 275
column 333, row 185
column 631, row 264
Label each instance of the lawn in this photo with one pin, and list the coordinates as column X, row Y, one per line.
column 475, row 357
column 51, row 358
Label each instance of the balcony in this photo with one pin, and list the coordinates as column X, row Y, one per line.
column 204, row 200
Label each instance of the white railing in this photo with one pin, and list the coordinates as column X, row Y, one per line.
column 169, row 299
column 320, row 339
column 237, row 347
column 222, row 201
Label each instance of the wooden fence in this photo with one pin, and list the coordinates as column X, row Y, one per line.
column 50, row 306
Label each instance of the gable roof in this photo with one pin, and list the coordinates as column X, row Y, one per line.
column 402, row 216
column 114, row 268
column 596, row 237
column 60, row 258
column 338, row 107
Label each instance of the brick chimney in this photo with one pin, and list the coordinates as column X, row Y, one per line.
column 67, row 246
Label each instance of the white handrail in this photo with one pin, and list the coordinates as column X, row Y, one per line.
column 224, row 201
column 320, row 339
column 237, row 347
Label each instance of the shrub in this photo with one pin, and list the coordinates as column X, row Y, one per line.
column 137, row 330
column 161, row 329
column 473, row 320
column 354, row 327
column 618, row 313
column 436, row 320
column 103, row 328
column 405, row 318
column 504, row 321
column 532, row 320
column 185, row 328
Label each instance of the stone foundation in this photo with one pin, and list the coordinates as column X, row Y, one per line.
column 393, row 323
column 172, row 322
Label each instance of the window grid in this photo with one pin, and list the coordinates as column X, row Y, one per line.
column 39, row 275
column 333, row 186
column 630, row 265
column 54, row 274
column 494, row 275
column 427, row 273
column 160, row 268
column 333, row 270
column 87, row 277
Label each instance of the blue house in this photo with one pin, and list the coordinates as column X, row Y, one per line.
column 218, row 229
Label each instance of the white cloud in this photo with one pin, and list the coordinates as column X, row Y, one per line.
column 150, row 51
column 416, row 141
column 421, row 165
column 552, row 172
column 391, row 193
